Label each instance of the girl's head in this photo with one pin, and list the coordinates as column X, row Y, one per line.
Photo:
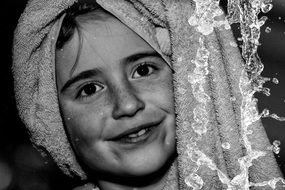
column 115, row 94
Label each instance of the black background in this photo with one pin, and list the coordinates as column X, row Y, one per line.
column 28, row 170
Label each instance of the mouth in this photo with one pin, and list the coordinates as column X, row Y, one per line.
column 137, row 134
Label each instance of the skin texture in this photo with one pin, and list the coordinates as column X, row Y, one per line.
column 125, row 85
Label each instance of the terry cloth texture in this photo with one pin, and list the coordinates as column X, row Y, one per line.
column 209, row 128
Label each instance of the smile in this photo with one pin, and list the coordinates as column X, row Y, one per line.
column 139, row 134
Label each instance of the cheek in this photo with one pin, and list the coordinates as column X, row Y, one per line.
column 85, row 135
column 162, row 93
column 83, row 125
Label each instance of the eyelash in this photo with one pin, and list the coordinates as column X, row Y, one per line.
column 154, row 68
column 80, row 96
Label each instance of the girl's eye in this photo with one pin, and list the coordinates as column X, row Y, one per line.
column 89, row 90
column 143, row 70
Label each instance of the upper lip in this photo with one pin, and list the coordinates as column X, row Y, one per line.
column 136, row 129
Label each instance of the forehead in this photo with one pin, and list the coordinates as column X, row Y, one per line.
column 101, row 23
column 99, row 42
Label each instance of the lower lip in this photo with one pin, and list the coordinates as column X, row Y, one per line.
column 147, row 137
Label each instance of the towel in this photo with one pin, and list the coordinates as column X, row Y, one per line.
column 217, row 147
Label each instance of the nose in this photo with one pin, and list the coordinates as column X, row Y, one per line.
column 126, row 102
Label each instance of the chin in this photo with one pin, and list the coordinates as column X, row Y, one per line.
column 152, row 161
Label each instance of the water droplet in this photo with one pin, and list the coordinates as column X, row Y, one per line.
column 192, row 21
column 68, row 118
column 276, row 143
column 232, row 98
column 194, row 181
column 194, row 78
column 265, row 91
column 275, row 116
column 143, row 19
column 202, row 97
column 272, row 183
column 227, row 26
column 226, row 145
column 279, row 17
column 265, row 8
column 181, row 90
column 179, row 59
column 233, row 44
column 199, row 128
column 265, row 113
column 262, row 20
column 275, row 80
column 267, row 29
column 275, row 146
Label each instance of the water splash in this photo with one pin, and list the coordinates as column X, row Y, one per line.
column 233, row 44
column 205, row 20
column 275, row 81
column 246, row 14
column 265, row 113
column 194, row 181
column 267, row 29
column 226, row 145
column 275, row 146
column 197, row 79
column 276, row 117
column 208, row 15
column 266, row 6
column 271, row 183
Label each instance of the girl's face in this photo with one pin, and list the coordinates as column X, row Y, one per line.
column 116, row 100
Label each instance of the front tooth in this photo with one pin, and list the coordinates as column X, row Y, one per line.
column 133, row 135
column 141, row 132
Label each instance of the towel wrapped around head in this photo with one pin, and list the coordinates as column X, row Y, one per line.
column 212, row 153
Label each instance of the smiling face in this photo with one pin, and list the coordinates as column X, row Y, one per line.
column 116, row 99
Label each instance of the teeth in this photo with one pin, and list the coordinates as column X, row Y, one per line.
column 141, row 132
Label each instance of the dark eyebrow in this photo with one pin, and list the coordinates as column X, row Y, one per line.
column 80, row 76
column 135, row 57
column 93, row 72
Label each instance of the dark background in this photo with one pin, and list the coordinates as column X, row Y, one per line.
column 22, row 167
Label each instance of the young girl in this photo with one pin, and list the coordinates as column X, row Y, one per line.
column 94, row 85
column 115, row 94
